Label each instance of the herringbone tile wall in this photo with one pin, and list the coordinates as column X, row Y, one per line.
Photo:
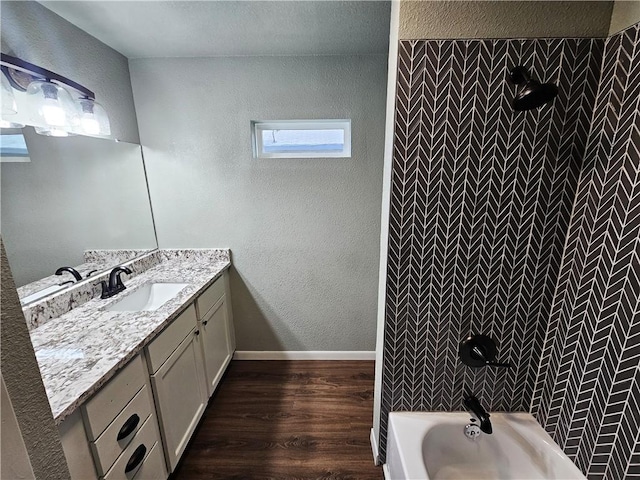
column 480, row 203
column 588, row 390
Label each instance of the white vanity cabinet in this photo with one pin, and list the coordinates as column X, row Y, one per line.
column 218, row 339
column 178, row 382
column 186, row 361
column 141, row 421
column 115, row 435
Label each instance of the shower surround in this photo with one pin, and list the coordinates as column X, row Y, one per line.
column 588, row 389
column 481, row 198
column 481, row 209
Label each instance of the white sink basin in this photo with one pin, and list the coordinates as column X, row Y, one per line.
column 149, row 296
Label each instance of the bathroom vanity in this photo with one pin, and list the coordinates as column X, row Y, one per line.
column 128, row 381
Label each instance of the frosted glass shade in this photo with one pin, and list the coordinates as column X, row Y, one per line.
column 8, row 100
column 52, row 132
column 51, row 105
column 93, row 118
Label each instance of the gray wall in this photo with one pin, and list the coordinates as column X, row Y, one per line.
column 304, row 232
column 21, row 375
column 37, row 35
column 77, row 193
column 503, row 19
column 625, row 13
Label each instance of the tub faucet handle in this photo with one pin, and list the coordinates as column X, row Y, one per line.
column 480, row 351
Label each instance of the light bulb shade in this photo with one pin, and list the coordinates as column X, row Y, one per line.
column 93, row 118
column 52, row 132
column 8, row 106
column 51, row 105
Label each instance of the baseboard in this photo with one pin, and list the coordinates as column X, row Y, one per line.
column 303, row 355
column 374, row 447
column 385, row 471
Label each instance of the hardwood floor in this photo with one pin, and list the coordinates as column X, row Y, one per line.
column 286, row 420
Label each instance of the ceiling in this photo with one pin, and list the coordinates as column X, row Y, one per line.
column 143, row 29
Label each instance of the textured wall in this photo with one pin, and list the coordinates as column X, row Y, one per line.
column 76, row 193
column 233, row 28
column 21, row 376
column 14, row 458
column 480, row 203
column 37, row 35
column 304, row 232
column 588, row 390
column 625, row 13
column 423, row 19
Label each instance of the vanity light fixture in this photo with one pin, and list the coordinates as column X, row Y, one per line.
column 9, row 106
column 52, row 132
column 93, row 117
column 53, row 104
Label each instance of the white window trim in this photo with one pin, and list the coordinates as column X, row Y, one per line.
column 258, row 126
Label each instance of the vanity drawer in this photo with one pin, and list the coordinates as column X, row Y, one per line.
column 101, row 410
column 107, row 448
column 140, row 447
column 169, row 339
column 153, row 467
column 210, row 297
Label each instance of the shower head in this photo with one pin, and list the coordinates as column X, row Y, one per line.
column 533, row 94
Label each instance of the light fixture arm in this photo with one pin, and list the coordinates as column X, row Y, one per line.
column 15, row 63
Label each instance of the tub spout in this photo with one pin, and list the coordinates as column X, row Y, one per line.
column 474, row 407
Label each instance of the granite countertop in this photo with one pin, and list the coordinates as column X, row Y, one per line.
column 81, row 350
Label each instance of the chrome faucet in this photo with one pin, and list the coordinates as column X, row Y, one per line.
column 115, row 284
column 473, row 405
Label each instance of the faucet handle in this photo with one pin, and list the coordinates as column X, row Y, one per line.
column 480, row 351
column 105, row 289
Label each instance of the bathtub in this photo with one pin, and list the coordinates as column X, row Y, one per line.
column 432, row 446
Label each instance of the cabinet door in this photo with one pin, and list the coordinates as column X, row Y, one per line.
column 179, row 387
column 216, row 344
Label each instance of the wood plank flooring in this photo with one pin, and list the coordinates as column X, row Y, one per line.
column 286, row 420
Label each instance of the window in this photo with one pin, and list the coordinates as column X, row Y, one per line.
column 13, row 148
column 302, row 139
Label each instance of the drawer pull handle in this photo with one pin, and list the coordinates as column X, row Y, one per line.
column 129, row 426
column 205, row 322
column 136, row 458
column 197, row 332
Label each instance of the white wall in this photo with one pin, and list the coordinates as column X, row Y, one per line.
column 37, row 35
column 625, row 13
column 304, row 232
column 421, row 19
column 390, row 117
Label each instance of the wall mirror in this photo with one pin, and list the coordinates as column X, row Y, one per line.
column 78, row 201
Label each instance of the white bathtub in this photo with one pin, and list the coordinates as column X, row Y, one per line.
column 432, row 446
